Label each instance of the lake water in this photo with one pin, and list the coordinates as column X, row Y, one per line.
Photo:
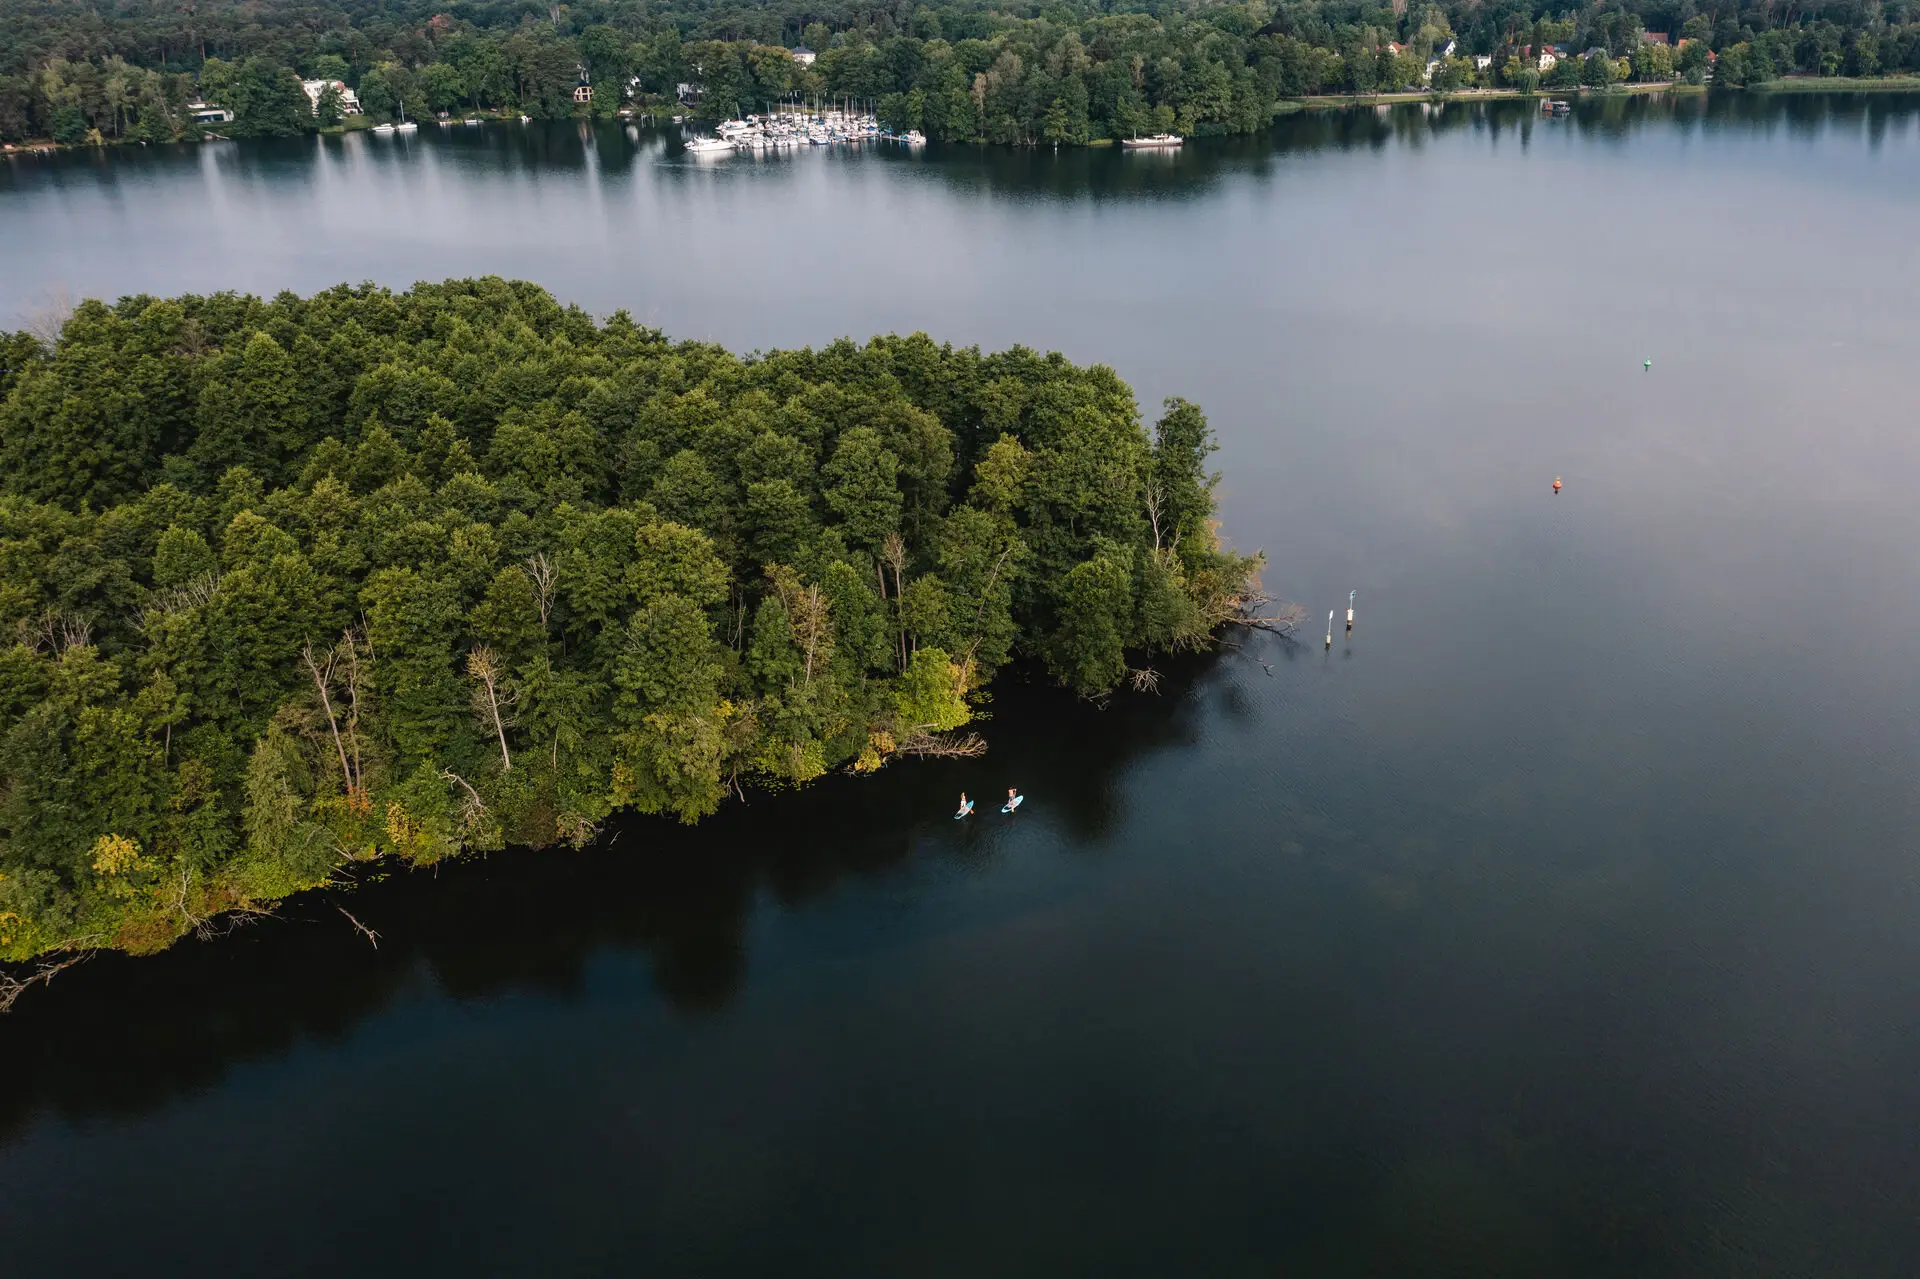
column 1565, row 920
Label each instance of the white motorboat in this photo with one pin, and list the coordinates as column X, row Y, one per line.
column 1155, row 140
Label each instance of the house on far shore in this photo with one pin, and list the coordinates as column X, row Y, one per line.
column 1550, row 55
column 1439, row 55
column 1653, row 37
column 207, row 113
column 349, row 100
column 803, row 56
column 1483, row 62
column 582, row 90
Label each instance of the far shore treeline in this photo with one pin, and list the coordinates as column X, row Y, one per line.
column 289, row 584
column 1070, row 72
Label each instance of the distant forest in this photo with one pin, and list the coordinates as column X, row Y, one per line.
column 1061, row 73
column 290, row 584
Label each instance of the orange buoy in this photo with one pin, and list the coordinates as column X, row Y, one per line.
column 1556, row 484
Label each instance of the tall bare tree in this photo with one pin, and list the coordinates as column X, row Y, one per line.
column 540, row 570
column 490, row 699
column 808, row 616
column 321, row 669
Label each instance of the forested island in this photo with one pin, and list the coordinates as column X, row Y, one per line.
column 1070, row 72
column 296, row 583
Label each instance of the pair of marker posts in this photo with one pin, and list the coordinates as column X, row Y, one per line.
column 1330, row 612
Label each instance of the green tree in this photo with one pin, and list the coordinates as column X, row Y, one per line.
column 377, row 96
column 328, row 110
column 863, row 487
column 412, row 621
column 442, row 85
column 251, row 416
column 181, row 557
column 1088, row 650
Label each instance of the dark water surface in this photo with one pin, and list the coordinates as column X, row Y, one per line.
column 1565, row 921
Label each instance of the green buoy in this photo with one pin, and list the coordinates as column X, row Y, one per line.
column 1647, row 365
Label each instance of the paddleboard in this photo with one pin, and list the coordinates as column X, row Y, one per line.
column 1013, row 803
column 965, row 812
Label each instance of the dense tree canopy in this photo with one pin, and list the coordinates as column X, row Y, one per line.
column 960, row 70
column 296, row 582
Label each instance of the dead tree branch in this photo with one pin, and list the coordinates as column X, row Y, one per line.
column 540, row 571
column 475, row 807
column 943, row 745
column 490, row 699
column 373, row 938
column 321, row 679
column 162, row 604
column 1286, row 618
column 196, row 922
column 12, row 985
column 47, row 318
column 986, row 592
column 56, row 630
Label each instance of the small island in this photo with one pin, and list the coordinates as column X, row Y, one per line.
column 294, row 584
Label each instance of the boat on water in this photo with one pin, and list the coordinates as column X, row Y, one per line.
column 406, row 126
column 526, row 119
column 471, row 120
column 382, row 129
column 1154, row 140
column 703, row 146
column 914, row 138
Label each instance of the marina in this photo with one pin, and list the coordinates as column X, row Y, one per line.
column 790, row 130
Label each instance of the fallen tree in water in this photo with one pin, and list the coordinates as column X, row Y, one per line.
column 299, row 583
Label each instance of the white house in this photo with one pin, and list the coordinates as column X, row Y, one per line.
column 349, row 100
column 1440, row 54
column 1483, row 62
column 803, row 56
column 207, row 113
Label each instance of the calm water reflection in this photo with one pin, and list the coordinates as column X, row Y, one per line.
column 1561, row 922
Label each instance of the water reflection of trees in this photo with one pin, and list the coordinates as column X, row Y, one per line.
column 1107, row 173
column 609, row 149
column 120, row 1036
